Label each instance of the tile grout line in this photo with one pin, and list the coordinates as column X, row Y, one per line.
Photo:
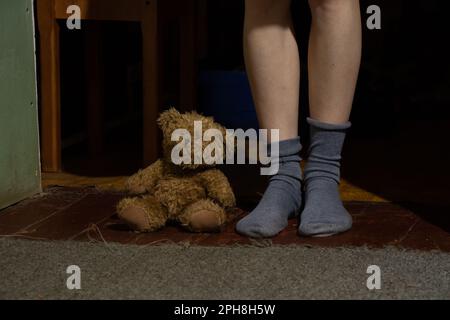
column 97, row 223
column 25, row 230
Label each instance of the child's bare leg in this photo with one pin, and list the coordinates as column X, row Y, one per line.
column 334, row 58
column 272, row 61
column 273, row 64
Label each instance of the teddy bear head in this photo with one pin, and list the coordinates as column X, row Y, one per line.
column 187, row 136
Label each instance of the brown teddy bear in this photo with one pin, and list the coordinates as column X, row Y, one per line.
column 195, row 195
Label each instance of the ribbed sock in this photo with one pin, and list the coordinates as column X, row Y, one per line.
column 282, row 198
column 324, row 213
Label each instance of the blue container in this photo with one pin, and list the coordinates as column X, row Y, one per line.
column 226, row 96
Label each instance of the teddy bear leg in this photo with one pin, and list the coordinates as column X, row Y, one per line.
column 203, row 216
column 143, row 214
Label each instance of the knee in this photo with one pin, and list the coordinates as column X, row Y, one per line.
column 330, row 8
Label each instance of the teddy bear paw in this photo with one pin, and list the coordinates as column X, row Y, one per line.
column 136, row 218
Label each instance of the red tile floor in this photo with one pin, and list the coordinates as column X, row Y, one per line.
column 88, row 214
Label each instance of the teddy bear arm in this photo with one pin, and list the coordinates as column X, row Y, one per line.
column 144, row 180
column 218, row 187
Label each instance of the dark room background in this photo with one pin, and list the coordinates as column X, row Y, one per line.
column 398, row 146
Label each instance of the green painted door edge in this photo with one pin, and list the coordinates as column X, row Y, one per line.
column 20, row 174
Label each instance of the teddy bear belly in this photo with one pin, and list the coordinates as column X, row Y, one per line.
column 177, row 193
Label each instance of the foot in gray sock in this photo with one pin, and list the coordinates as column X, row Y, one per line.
column 324, row 213
column 282, row 198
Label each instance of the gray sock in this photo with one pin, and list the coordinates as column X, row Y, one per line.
column 282, row 198
column 324, row 213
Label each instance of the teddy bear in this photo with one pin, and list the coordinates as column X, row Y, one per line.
column 194, row 195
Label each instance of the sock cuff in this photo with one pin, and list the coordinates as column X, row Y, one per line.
column 328, row 126
column 288, row 147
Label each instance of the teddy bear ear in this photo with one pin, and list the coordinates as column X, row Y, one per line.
column 168, row 117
